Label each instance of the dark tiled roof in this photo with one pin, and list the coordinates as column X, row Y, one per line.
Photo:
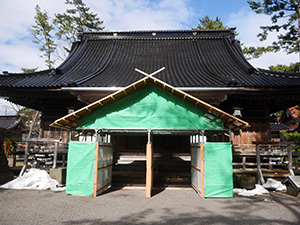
column 9, row 122
column 278, row 126
column 192, row 59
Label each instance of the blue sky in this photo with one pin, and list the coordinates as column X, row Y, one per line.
column 17, row 50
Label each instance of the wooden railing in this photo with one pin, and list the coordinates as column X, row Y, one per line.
column 41, row 152
column 265, row 157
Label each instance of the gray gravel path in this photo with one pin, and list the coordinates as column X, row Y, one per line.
column 131, row 207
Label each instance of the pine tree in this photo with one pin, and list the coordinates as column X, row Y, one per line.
column 41, row 33
column 75, row 20
column 208, row 24
column 285, row 17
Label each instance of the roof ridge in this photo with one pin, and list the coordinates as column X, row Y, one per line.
column 28, row 73
column 153, row 34
column 159, row 31
column 278, row 74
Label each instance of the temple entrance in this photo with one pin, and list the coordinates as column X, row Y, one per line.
column 171, row 160
column 166, row 116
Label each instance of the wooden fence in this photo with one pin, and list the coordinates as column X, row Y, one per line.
column 265, row 157
column 40, row 152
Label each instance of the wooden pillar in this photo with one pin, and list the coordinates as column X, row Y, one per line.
column 149, row 170
column 23, row 170
column 202, row 169
column 259, row 173
column 96, row 169
column 290, row 157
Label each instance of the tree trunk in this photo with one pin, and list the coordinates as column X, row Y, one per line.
column 33, row 122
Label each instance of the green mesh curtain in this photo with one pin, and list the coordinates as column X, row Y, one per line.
column 80, row 169
column 218, row 169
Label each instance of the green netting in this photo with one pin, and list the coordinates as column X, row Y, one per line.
column 218, row 169
column 150, row 108
column 80, row 169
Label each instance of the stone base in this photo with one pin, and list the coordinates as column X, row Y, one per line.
column 244, row 181
column 59, row 174
column 6, row 177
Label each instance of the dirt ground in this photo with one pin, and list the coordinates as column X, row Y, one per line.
column 131, row 207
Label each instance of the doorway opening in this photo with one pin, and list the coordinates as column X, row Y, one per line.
column 171, row 160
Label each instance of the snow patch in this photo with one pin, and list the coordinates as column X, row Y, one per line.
column 34, row 179
column 274, row 184
column 258, row 190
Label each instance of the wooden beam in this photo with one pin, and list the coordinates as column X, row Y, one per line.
column 149, row 170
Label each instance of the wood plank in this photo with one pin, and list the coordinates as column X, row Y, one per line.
column 96, row 170
column 149, row 170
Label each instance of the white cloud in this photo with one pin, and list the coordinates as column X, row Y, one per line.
column 7, row 108
column 143, row 14
column 17, row 16
column 17, row 49
column 248, row 26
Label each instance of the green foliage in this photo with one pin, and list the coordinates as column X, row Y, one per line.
column 292, row 68
column 293, row 137
column 208, row 24
column 75, row 20
column 29, row 70
column 66, row 26
column 11, row 144
column 285, row 18
column 41, row 33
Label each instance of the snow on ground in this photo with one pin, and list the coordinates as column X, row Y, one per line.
column 258, row 190
column 274, row 184
column 34, row 179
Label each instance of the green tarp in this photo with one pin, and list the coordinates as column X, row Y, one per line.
column 82, row 158
column 149, row 108
column 81, row 168
column 218, row 169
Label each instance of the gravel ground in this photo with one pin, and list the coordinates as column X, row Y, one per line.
column 131, row 207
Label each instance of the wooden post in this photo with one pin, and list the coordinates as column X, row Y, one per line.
column 25, row 159
column 14, row 160
column 259, row 173
column 202, row 169
column 244, row 162
column 96, row 169
column 149, row 170
column 290, row 157
column 296, row 160
column 55, row 155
